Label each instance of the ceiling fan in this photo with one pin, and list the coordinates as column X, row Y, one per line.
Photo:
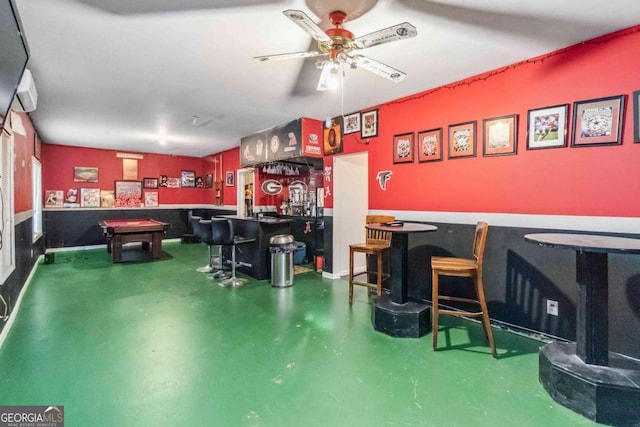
column 337, row 43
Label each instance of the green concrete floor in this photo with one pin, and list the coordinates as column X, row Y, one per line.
column 158, row 344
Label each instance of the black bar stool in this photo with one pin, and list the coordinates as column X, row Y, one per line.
column 202, row 228
column 223, row 235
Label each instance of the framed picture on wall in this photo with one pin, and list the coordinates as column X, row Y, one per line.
column 429, row 145
column 85, row 174
column 636, row 116
column 230, row 179
column 209, row 180
column 150, row 182
column 462, row 140
column 547, row 127
column 107, row 199
column 369, row 124
column 332, row 137
column 151, row 199
column 499, row 136
column 598, row 122
column 89, row 197
column 128, row 190
column 403, row 148
column 188, row 179
column 352, row 123
column 53, row 198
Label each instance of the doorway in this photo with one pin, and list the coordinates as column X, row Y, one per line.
column 245, row 195
column 350, row 207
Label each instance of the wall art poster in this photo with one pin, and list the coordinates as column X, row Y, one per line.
column 598, row 121
column 351, row 123
column 53, row 198
column 188, row 179
column 107, row 199
column 547, row 127
column 150, row 182
column 369, row 124
column 85, row 174
column 71, row 198
column 151, row 198
column 499, row 136
column 89, row 197
column 429, row 145
column 462, row 140
column 229, row 179
column 403, row 148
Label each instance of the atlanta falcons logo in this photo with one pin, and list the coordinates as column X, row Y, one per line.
column 383, row 177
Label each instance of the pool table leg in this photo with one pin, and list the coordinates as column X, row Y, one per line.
column 156, row 245
column 116, row 248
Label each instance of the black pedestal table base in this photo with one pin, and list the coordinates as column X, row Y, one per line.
column 408, row 320
column 605, row 394
column 395, row 315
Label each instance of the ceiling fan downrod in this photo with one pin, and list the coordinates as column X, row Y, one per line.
column 341, row 38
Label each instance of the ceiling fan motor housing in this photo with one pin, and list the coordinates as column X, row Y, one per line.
column 341, row 38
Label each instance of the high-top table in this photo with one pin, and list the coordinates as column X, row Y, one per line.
column 585, row 376
column 395, row 315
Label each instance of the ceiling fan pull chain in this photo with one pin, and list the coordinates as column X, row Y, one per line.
column 342, row 90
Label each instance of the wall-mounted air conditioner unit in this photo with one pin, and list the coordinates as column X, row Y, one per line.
column 27, row 93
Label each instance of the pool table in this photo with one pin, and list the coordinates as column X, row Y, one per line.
column 121, row 231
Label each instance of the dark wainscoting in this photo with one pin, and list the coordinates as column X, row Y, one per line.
column 306, row 229
column 519, row 278
column 75, row 227
column 27, row 254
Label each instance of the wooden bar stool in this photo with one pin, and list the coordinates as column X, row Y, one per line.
column 462, row 267
column 377, row 242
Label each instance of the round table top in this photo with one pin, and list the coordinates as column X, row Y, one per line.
column 407, row 227
column 586, row 242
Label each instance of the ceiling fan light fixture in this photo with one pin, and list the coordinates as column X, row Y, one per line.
column 328, row 76
column 333, row 79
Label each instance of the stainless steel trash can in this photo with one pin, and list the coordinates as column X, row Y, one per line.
column 282, row 247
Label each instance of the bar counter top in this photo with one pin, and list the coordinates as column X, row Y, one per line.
column 265, row 220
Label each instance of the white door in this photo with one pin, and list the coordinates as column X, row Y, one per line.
column 244, row 177
column 350, row 207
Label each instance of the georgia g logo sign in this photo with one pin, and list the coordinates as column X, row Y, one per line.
column 271, row 187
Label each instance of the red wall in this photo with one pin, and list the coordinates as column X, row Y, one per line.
column 59, row 161
column 218, row 165
column 598, row 181
column 23, row 152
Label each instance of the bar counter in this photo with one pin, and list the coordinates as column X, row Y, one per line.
column 256, row 253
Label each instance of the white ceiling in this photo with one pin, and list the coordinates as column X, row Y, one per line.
column 121, row 74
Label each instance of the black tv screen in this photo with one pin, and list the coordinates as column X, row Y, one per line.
column 14, row 56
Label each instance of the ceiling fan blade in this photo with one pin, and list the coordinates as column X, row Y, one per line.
column 328, row 76
column 277, row 57
column 303, row 21
column 391, row 34
column 378, row 68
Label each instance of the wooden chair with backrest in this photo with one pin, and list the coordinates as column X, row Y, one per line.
column 463, row 267
column 376, row 243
